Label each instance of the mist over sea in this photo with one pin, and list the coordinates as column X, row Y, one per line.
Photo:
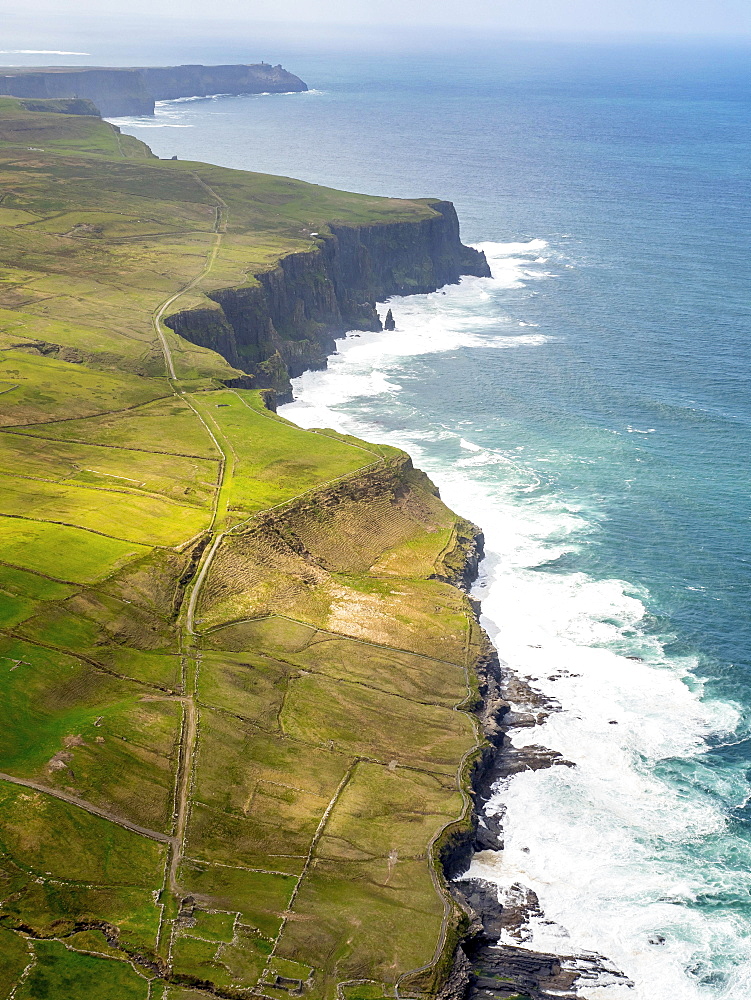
column 589, row 407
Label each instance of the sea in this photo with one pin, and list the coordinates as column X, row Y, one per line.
column 589, row 407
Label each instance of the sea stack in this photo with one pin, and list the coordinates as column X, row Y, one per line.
column 389, row 322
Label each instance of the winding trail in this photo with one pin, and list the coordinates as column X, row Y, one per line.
column 220, row 226
column 189, row 731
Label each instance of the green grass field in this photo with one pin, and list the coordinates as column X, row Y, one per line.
column 231, row 670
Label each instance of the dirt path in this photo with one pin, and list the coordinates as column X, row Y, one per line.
column 220, row 226
column 188, row 736
column 90, row 808
column 187, row 752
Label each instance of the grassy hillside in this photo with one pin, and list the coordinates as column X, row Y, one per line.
column 231, row 725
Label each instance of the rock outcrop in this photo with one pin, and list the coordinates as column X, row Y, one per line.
column 492, row 956
column 134, row 91
column 287, row 321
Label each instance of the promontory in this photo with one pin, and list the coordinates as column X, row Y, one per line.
column 134, row 91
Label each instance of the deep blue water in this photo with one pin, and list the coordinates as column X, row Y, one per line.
column 589, row 406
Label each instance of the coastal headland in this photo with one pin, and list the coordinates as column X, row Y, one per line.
column 249, row 715
column 134, row 91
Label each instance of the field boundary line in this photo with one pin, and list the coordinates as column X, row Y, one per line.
column 332, row 637
column 89, row 807
column 309, row 859
column 113, row 447
column 10, row 428
column 93, row 531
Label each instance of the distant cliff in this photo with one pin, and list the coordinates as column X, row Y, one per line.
column 286, row 322
column 166, row 84
column 134, row 91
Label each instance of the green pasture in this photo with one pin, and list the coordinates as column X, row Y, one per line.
column 60, row 974
column 168, row 426
column 369, row 919
column 389, row 812
column 47, row 390
column 119, row 621
column 86, row 849
column 15, row 609
column 392, row 671
column 276, row 636
column 272, row 459
column 65, row 553
column 362, row 721
column 250, row 685
column 186, row 480
column 17, row 326
column 69, row 726
column 249, row 786
column 24, row 123
column 214, row 926
column 15, row 955
column 25, row 584
column 146, row 520
column 155, row 668
column 259, row 898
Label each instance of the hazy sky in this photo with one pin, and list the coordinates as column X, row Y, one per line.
column 673, row 17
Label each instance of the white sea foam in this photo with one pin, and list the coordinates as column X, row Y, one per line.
column 615, row 848
column 468, row 445
column 159, row 120
column 172, row 113
column 161, row 105
column 216, row 97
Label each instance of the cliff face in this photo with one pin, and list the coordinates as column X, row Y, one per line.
column 133, row 91
column 113, row 91
column 168, row 83
column 286, row 323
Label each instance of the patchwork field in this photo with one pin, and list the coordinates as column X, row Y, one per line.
column 235, row 682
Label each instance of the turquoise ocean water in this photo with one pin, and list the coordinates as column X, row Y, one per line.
column 589, row 407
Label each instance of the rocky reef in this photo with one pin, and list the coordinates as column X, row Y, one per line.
column 286, row 321
column 134, row 91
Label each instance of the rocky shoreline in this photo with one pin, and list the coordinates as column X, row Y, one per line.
column 485, row 965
